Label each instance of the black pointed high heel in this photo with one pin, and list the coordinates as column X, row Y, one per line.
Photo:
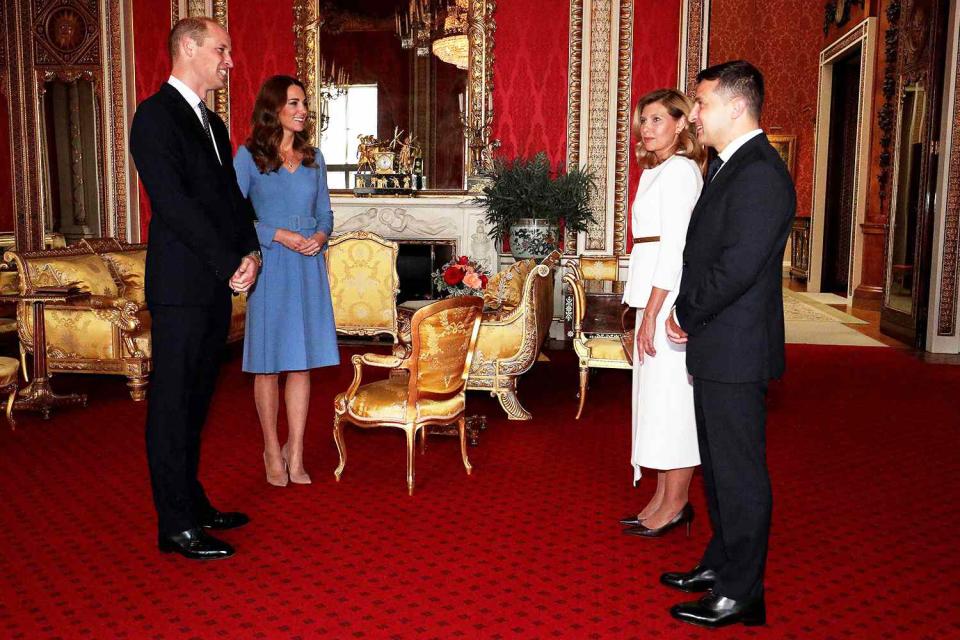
column 685, row 516
column 631, row 521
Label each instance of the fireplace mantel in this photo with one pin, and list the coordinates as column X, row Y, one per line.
column 421, row 218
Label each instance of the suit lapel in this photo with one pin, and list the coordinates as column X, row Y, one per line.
column 723, row 176
column 191, row 120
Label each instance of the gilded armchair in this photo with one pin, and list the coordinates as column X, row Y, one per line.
column 516, row 320
column 362, row 269
column 601, row 349
column 431, row 390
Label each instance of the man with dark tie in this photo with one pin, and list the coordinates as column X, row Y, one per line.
column 729, row 312
column 202, row 244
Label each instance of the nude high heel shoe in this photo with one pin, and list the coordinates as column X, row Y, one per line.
column 277, row 480
column 303, row 478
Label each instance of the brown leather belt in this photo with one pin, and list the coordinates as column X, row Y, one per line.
column 646, row 239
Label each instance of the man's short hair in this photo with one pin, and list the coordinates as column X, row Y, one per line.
column 194, row 28
column 738, row 79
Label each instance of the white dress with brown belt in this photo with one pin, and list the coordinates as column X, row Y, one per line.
column 664, row 424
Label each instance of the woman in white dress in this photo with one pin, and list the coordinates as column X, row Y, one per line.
column 664, row 425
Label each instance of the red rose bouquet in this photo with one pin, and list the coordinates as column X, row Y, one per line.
column 461, row 277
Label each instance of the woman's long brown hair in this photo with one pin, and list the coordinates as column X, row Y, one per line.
column 678, row 106
column 264, row 140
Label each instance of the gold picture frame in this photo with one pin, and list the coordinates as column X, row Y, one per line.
column 786, row 146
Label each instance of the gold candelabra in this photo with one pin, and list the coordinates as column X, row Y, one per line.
column 477, row 130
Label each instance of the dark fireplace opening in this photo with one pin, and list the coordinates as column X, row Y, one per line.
column 416, row 262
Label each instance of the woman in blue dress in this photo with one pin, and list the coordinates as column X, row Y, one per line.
column 290, row 325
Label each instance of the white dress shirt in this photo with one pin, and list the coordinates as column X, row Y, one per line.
column 665, row 199
column 735, row 145
column 194, row 101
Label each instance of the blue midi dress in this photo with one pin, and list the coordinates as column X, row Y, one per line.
column 290, row 324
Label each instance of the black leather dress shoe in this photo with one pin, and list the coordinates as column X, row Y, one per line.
column 719, row 611
column 696, row 580
column 195, row 544
column 224, row 520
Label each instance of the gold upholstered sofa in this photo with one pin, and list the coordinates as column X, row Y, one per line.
column 109, row 332
column 518, row 310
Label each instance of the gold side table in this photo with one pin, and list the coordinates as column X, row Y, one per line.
column 38, row 395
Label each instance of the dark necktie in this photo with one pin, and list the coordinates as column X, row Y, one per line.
column 713, row 167
column 206, row 127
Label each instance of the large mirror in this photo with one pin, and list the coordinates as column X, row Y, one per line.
column 419, row 69
column 73, row 191
column 906, row 204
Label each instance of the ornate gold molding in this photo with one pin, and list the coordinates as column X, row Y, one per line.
column 598, row 118
column 950, row 271
column 480, row 29
column 694, row 42
column 624, row 85
column 221, row 97
column 307, row 46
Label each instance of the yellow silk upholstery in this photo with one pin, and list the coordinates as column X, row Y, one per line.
column 128, row 268
column 109, row 332
column 599, row 268
column 505, row 289
column 426, row 385
column 361, row 268
column 386, row 401
column 512, row 333
column 606, row 349
column 88, row 272
column 444, row 340
column 594, row 352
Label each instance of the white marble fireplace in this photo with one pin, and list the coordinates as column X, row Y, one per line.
column 432, row 218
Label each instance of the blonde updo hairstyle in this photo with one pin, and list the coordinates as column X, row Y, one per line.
column 678, row 106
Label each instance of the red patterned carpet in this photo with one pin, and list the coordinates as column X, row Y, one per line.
column 862, row 447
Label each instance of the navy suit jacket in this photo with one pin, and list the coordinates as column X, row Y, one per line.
column 731, row 300
column 201, row 226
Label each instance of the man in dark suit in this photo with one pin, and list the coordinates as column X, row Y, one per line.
column 202, row 244
column 729, row 312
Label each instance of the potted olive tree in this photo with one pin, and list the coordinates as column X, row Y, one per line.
column 532, row 205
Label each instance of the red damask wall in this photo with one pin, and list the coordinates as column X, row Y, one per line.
column 530, row 77
column 656, row 25
column 263, row 45
column 6, row 176
column 783, row 39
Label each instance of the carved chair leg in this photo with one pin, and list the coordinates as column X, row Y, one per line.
column 511, row 404
column 411, row 457
column 341, row 446
column 10, row 400
column 23, row 363
column 138, row 387
column 462, row 425
column 584, row 375
column 423, row 440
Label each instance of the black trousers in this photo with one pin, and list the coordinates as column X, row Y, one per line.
column 187, row 344
column 731, row 428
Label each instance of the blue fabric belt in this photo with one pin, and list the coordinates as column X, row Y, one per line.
column 297, row 223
